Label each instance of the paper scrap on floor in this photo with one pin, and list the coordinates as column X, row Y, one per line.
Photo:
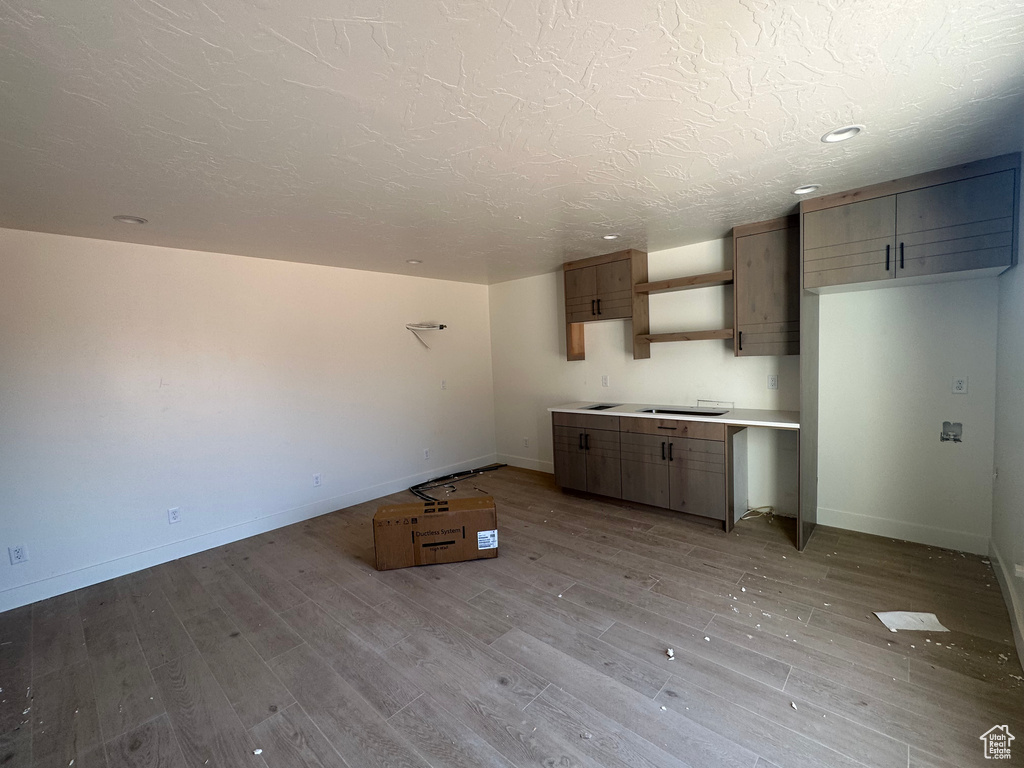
column 923, row 622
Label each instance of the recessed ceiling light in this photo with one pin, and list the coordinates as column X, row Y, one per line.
column 413, row 261
column 131, row 219
column 610, row 237
column 806, row 189
column 842, row 134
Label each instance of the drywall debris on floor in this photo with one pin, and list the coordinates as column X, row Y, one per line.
column 922, row 622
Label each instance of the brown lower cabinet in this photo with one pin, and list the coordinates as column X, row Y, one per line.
column 587, row 458
column 679, row 465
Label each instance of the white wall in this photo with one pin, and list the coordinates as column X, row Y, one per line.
column 1008, row 502
column 531, row 372
column 888, row 358
column 134, row 379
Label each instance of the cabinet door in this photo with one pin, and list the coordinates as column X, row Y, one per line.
column 644, row 468
column 614, row 290
column 767, row 281
column 604, row 473
column 852, row 243
column 697, row 478
column 958, row 226
column 581, row 295
column 570, row 458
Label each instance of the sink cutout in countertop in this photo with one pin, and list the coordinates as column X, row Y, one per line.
column 686, row 411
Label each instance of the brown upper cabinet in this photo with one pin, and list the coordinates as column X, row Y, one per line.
column 951, row 222
column 766, row 275
column 601, row 288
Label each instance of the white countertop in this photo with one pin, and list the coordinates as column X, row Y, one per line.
column 740, row 417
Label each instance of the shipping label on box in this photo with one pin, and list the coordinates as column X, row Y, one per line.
column 435, row 532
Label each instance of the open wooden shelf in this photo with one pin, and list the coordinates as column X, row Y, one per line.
column 654, row 338
column 682, row 283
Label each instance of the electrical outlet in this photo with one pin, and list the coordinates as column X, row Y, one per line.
column 317, row 479
column 18, row 554
column 426, row 454
column 444, row 383
column 173, row 516
column 604, row 380
column 773, row 381
column 960, row 385
column 526, row 442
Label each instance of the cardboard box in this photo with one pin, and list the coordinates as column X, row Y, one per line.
column 435, row 532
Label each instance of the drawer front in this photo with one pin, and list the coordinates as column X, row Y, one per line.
column 701, row 430
column 585, row 421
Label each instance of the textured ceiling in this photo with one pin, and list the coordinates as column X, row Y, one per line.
column 491, row 140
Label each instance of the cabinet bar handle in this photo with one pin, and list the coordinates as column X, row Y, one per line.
column 886, row 257
column 670, row 452
column 662, row 450
column 594, row 301
column 599, row 306
column 586, row 441
column 741, row 341
column 901, row 255
column 661, row 427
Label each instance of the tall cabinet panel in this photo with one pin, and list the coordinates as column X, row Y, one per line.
column 766, row 269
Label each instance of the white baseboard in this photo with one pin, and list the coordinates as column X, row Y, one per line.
column 110, row 569
column 527, row 463
column 898, row 529
column 1013, row 594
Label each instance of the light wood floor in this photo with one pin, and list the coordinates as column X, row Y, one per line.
column 551, row 655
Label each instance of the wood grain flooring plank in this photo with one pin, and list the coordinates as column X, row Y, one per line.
column 65, row 726
column 786, row 710
column 290, row 739
column 57, row 637
column 481, row 668
column 205, row 725
column 919, row 731
column 490, row 713
column 151, row 745
column 364, row 669
column 356, row 730
column 182, row 589
column 615, row 610
column 520, row 567
column 258, row 622
column 253, row 690
column 157, row 627
column 272, row 587
column 555, row 606
column 781, row 746
column 15, row 695
column 477, row 623
column 674, row 733
column 969, row 655
column 595, row 652
column 16, row 748
column 444, row 740
column 693, row 645
column 796, row 644
column 448, row 582
column 16, row 637
column 370, row 625
column 603, row 740
column 126, row 696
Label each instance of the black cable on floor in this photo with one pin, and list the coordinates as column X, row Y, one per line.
column 420, row 488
